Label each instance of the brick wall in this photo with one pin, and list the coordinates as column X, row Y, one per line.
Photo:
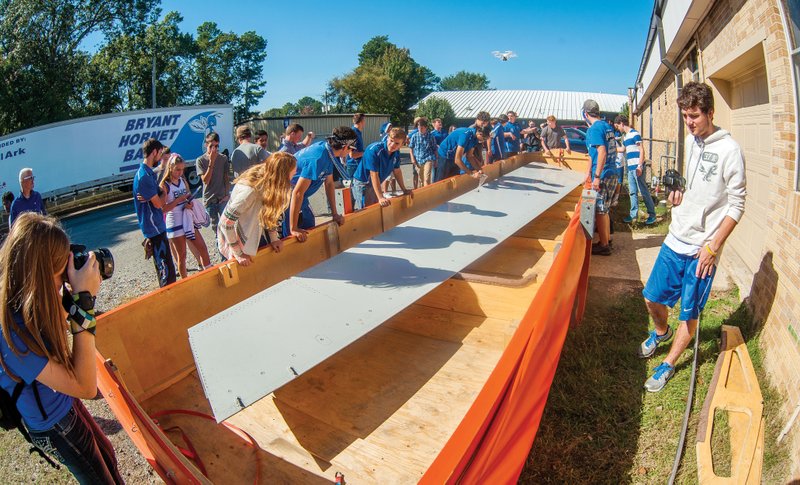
column 772, row 290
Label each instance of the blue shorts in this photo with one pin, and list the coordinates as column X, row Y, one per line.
column 673, row 277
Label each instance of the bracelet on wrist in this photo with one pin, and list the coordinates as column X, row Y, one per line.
column 710, row 251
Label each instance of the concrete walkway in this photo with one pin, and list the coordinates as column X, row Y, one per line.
column 633, row 259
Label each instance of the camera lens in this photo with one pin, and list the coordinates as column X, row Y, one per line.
column 105, row 260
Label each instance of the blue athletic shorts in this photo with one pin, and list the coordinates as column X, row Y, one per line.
column 673, row 277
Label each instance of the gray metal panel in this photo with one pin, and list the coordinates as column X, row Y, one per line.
column 251, row 349
column 528, row 103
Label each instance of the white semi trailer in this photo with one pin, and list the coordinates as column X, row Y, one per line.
column 86, row 153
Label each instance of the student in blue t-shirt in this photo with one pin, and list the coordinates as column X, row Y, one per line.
column 359, row 120
column 29, row 200
column 439, row 133
column 375, row 167
column 513, row 135
column 456, row 152
column 603, row 170
column 38, row 363
column 314, row 169
column 498, row 143
column 148, row 203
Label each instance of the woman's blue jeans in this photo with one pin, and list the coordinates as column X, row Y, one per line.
column 79, row 443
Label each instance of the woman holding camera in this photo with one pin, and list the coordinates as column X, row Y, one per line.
column 42, row 295
column 259, row 198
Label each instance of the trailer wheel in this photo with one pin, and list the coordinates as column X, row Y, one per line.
column 193, row 178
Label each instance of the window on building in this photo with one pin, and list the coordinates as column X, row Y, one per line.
column 692, row 65
column 792, row 9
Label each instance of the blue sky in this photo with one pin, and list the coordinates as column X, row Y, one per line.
column 576, row 45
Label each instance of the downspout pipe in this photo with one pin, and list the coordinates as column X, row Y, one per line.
column 678, row 82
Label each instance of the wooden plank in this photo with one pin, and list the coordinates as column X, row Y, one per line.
column 445, row 325
column 510, row 263
column 483, row 300
column 734, row 389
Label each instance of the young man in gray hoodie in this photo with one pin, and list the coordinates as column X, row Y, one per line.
column 703, row 216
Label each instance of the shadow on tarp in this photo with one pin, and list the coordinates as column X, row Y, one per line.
column 412, row 237
column 455, row 207
column 374, row 271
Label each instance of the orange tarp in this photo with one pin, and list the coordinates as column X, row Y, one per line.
column 493, row 441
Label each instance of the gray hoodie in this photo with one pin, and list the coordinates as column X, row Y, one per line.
column 715, row 188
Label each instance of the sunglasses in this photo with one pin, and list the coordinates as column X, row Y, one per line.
column 214, row 145
column 29, row 177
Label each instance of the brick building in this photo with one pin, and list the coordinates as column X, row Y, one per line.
column 749, row 52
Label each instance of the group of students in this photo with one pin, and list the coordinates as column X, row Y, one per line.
column 270, row 199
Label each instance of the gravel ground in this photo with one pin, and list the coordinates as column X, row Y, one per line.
column 115, row 227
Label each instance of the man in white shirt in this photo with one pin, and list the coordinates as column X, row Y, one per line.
column 704, row 214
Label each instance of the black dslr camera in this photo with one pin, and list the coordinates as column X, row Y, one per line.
column 105, row 260
column 673, row 181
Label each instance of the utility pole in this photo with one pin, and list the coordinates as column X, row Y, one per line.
column 154, row 81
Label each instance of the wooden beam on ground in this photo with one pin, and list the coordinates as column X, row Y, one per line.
column 734, row 389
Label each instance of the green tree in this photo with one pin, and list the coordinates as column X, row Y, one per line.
column 121, row 71
column 387, row 80
column 465, row 81
column 229, row 68
column 215, row 65
column 249, row 72
column 625, row 110
column 42, row 67
column 309, row 106
column 435, row 107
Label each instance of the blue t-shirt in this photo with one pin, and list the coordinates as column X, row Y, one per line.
column 601, row 133
column 314, row 163
column 376, row 159
column 460, row 137
column 151, row 219
column 33, row 203
column 439, row 136
column 512, row 145
column 423, row 146
column 27, row 367
column 352, row 162
column 498, row 141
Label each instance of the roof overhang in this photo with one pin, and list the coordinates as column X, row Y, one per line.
column 679, row 20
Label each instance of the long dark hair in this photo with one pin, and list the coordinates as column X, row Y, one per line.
column 37, row 249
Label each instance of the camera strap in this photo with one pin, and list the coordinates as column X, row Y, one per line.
column 80, row 311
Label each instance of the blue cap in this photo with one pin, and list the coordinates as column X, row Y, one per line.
column 385, row 127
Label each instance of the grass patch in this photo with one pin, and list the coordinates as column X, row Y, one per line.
column 623, row 209
column 601, row 426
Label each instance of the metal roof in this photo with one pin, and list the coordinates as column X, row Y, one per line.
column 527, row 103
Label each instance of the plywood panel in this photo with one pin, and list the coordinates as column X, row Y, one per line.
column 261, row 343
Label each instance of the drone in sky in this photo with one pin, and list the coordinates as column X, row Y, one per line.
column 504, row 56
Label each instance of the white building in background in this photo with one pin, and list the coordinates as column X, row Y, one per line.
column 529, row 104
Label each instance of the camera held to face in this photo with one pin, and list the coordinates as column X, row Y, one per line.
column 673, row 181
column 105, row 260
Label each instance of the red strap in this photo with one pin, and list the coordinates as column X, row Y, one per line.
column 241, row 433
column 191, row 453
